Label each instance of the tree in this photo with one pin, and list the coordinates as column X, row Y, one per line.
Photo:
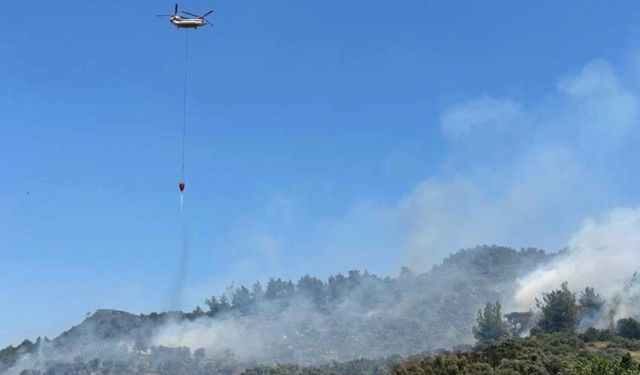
column 196, row 313
column 490, row 326
column 312, row 288
column 590, row 303
column 599, row 365
column 406, row 274
column 224, row 303
column 277, row 288
column 337, row 286
column 216, row 306
column 559, row 311
column 589, row 300
column 257, row 293
column 629, row 328
column 241, row 299
column 626, row 363
column 519, row 322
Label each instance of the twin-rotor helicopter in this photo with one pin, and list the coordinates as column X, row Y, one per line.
column 192, row 22
column 189, row 21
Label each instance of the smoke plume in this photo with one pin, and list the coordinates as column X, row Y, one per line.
column 526, row 173
column 603, row 254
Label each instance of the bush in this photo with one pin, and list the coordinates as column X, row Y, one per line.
column 629, row 328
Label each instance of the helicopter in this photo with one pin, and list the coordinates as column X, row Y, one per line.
column 187, row 22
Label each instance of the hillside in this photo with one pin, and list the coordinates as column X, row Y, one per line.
column 307, row 323
column 543, row 354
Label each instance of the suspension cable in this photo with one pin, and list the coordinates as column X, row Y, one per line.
column 184, row 102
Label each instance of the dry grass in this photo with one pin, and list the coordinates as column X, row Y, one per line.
column 595, row 346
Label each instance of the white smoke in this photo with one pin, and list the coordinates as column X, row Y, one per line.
column 603, row 254
column 261, row 338
column 525, row 175
column 517, row 175
column 215, row 335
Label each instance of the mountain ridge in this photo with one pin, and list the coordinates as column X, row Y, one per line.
column 309, row 322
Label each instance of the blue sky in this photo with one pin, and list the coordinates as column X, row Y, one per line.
column 319, row 134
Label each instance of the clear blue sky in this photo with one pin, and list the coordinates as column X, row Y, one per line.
column 302, row 117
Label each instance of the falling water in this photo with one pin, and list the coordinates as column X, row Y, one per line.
column 176, row 298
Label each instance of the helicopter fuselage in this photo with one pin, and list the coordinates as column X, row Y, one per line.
column 187, row 23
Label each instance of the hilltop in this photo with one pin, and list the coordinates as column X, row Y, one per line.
column 309, row 323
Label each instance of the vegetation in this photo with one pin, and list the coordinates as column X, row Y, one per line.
column 398, row 323
column 590, row 303
column 543, row 354
column 559, row 311
column 490, row 326
column 629, row 328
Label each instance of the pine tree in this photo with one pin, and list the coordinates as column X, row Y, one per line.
column 559, row 311
column 490, row 326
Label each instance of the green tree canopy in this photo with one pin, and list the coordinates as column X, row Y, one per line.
column 559, row 311
column 629, row 328
column 490, row 326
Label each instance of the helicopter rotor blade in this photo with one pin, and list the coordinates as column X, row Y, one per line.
column 206, row 21
column 175, row 10
column 191, row 14
column 206, row 14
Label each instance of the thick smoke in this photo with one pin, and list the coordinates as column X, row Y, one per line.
column 371, row 322
column 369, row 316
column 570, row 166
column 603, row 254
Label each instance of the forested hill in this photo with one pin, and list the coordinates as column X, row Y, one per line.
column 308, row 322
